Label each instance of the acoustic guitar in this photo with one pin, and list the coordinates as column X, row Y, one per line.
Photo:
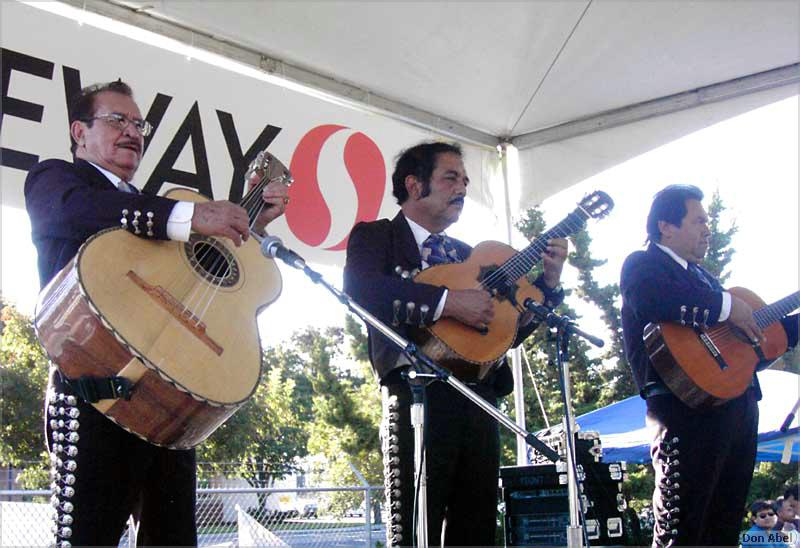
column 500, row 269
column 703, row 366
column 176, row 319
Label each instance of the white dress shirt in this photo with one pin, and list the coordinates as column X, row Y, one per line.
column 179, row 222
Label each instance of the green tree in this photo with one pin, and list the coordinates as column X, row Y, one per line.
column 720, row 253
column 347, row 414
column 337, row 401
column 23, row 380
column 265, row 436
column 618, row 381
column 359, row 347
column 540, row 350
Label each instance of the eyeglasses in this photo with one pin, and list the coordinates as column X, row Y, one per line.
column 766, row 515
column 120, row 122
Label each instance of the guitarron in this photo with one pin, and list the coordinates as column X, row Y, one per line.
column 709, row 366
column 176, row 319
column 471, row 354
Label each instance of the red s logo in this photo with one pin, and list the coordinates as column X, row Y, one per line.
column 311, row 221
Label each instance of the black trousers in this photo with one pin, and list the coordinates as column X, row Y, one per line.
column 703, row 461
column 462, row 461
column 103, row 474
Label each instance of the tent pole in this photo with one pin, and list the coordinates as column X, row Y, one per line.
column 516, row 353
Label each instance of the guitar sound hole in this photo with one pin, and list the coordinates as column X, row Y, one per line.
column 212, row 260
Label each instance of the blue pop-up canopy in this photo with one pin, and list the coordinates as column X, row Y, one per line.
column 626, row 437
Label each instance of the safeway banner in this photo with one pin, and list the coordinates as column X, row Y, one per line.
column 209, row 124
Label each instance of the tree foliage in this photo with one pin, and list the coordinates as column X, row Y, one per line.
column 266, row 434
column 346, row 409
column 23, row 379
column 720, row 253
column 540, row 350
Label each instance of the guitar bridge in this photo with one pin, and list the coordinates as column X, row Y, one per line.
column 712, row 349
column 176, row 309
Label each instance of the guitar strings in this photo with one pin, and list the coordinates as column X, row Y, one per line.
column 517, row 265
column 721, row 334
column 254, row 209
column 522, row 262
column 197, row 297
column 253, row 212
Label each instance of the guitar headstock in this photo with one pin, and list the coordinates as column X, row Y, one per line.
column 596, row 205
column 269, row 169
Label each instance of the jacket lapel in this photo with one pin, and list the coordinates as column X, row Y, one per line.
column 678, row 270
column 405, row 246
column 93, row 175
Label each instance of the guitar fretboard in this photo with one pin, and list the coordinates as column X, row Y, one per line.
column 520, row 264
column 777, row 310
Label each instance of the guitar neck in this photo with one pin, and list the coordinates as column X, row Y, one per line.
column 521, row 263
column 777, row 310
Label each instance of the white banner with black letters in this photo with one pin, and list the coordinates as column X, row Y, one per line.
column 209, row 124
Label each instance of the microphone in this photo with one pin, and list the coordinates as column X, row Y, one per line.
column 273, row 247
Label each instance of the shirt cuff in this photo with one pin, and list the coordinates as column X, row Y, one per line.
column 179, row 223
column 725, row 309
column 440, row 307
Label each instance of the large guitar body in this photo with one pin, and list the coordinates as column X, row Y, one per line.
column 468, row 353
column 177, row 319
column 502, row 271
column 709, row 367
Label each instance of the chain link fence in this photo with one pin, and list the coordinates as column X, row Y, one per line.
column 251, row 516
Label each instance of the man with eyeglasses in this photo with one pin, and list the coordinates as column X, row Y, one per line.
column 763, row 533
column 108, row 474
column 703, row 458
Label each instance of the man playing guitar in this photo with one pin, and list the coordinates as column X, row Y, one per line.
column 703, row 457
column 102, row 473
column 462, row 442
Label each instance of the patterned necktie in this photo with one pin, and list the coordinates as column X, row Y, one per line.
column 439, row 249
column 694, row 269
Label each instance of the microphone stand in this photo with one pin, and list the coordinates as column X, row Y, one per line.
column 423, row 367
column 576, row 531
column 787, row 422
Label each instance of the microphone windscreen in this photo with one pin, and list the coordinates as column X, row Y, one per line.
column 269, row 246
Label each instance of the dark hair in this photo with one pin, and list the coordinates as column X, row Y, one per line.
column 669, row 205
column 759, row 505
column 779, row 502
column 81, row 106
column 419, row 161
column 792, row 492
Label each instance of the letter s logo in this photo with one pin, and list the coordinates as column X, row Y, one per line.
column 310, row 218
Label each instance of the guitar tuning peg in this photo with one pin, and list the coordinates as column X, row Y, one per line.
column 414, row 272
column 683, row 313
column 410, row 313
column 705, row 318
column 405, row 275
column 396, row 312
column 423, row 311
column 695, row 310
column 398, row 270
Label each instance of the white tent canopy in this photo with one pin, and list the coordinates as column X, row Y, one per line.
column 546, row 76
column 578, row 86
